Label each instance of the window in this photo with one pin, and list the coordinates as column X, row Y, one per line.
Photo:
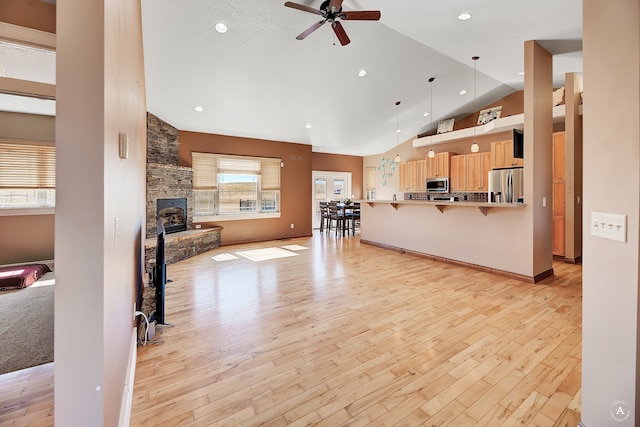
column 27, row 175
column 234, row 185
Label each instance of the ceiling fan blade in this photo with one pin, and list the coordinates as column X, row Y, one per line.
column 340, row 33
column 310, row 30
column 335, row 5
column 302, row 7
column 361, row 15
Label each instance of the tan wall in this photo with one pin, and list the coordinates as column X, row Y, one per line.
column 29, row 237
column 100, row 205
column 34, row 14
column 340, row 163
column 295, row 184
column 611, row 157
column 26, row 238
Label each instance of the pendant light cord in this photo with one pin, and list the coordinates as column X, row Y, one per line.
column 474, row 146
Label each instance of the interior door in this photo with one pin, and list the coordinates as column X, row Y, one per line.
column 329, row 186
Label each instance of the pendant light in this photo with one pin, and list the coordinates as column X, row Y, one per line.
column 398, row 130
column 474, row 147
column 432, row 153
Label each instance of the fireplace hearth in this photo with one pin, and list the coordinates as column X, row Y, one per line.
column 173, row 213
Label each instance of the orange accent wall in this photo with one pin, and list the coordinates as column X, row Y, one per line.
column 34, row 14
column 295, row 184
column 340, row 163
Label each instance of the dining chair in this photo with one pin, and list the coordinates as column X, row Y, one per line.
column 355, row 218
column 324, row 215
column 335, row 215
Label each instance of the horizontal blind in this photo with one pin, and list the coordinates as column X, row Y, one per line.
column 205, row 173
column 238, row 165
column 270, row 174
column 370, row 179
column 27, row 165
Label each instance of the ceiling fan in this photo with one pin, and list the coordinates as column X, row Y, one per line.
column 331, row 11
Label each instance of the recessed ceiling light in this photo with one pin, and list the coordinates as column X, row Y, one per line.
column 463, row 92
column 199, row 108
column 309, row 126
column 425, row 114
column 362, row 73
column 221, row 27
column 398, row 130
column 464, row 16
column 521, row 73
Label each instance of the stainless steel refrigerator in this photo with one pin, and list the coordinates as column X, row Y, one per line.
column 506, row 185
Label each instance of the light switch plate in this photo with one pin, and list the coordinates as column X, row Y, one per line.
column 609, row 226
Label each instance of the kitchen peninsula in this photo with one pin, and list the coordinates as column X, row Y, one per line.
column 480, row 235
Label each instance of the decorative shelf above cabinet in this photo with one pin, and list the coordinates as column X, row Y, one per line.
column 502, row 124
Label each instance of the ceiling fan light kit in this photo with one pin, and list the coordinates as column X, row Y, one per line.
column 331, row 11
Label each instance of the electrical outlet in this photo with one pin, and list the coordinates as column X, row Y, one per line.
column 292, row 226
column 609, row 226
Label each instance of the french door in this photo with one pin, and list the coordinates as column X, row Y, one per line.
column 329, row 186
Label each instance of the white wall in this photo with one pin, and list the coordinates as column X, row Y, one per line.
column 611, row 117
column 100, row 92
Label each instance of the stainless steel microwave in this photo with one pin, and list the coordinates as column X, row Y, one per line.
column 438, row 185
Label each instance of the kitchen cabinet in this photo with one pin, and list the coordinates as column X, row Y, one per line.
column 502, row 155
column 421, row 175
column 478, row 167
column 558, row 204
column 402, row 176
column 439, row 165
column 458, row 179
column 412, row 175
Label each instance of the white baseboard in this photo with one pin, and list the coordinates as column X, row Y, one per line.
column 127, row 393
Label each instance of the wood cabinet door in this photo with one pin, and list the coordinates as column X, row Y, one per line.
column 421, row 175
column 559, row 198
column 485, row 161
column 497, row 154
column 473, row 172
column 443, row 161
column 402, row 176
column 558, row 156
column 432, row 166
column 411, row 175
column 458, row 171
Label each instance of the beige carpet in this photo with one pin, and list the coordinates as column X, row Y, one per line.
column 26, row 327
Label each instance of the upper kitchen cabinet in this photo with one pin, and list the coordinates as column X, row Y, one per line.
column 439, row 165
column 502, row 155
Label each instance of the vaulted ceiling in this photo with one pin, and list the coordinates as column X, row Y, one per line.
column 256, row 80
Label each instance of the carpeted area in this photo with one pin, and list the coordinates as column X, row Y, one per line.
column 26, row 327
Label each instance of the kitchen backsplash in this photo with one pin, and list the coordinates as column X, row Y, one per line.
column 463, row 197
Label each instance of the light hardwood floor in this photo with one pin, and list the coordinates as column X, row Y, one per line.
column 351, row 334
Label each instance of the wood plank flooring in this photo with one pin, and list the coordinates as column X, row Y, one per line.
column 355, row 335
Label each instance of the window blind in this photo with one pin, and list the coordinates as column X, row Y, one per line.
column 270, row 174
column 370, row 179
column 24, row 165
column 205, row 171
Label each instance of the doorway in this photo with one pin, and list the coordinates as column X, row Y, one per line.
column 329, row 186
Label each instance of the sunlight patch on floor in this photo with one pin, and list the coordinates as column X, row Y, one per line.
column 266, row 254
column 295, row 248
column 224, row 257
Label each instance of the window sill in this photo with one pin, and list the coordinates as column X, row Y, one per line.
column 234, row 217
column 26, row 211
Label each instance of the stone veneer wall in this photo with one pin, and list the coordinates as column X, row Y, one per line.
column 162, row 142
column 165, row 179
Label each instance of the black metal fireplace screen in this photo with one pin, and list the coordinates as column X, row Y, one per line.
column 173, row 213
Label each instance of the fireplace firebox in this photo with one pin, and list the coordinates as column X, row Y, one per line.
column 173, row 213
